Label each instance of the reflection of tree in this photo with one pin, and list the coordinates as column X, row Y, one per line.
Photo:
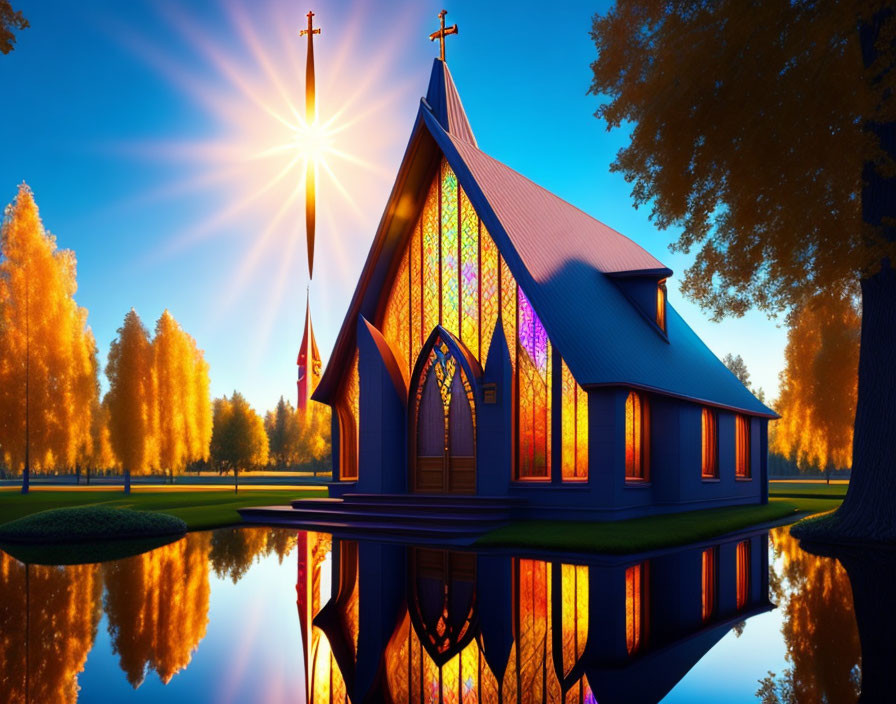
column 234, row 549
column 157, row 605
column 49, row 617
column 819, row 627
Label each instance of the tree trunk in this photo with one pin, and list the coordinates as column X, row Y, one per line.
column 236, row 481
column 868, row 512
column 127, row 481
column 26, row 479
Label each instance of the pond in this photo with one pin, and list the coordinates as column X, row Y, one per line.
column 273, row 615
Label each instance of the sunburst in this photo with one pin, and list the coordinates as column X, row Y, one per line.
column 248, row 83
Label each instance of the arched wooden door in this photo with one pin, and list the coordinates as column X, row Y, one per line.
column 443, row 456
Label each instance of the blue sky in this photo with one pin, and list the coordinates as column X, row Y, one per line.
column 156, row 138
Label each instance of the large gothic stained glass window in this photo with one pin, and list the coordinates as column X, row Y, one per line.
column 452, row 274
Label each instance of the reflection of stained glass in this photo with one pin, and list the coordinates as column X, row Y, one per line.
column 431, row 275
column 743, row 573
column 710, row 580
column 489, row 279
column 635, row 606
column 450, row 268
column 574, row 619
column 532, row 674
column 469, row 275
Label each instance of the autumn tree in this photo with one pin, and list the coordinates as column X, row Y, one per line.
column 50, row 617
column 157, row 604
column 766, row 132
column 48, row 369
column 239, row 440
column 282, row 427
column 133, row 409
column 819, row 627
column 818, row 385
column 314, row 437
column 10, row 20
column 182, row 397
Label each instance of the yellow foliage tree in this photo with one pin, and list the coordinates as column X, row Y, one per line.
column 157, row 605
column 183, row 398
column 239, row 440
column 819, row 384
column 296, row 438
column 133, row 410
column 50, row 617
column 48, row 370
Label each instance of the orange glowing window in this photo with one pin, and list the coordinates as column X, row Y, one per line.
column 743, row 573
column 710, row 444
column 637, row 438
column 349, row 414
column 742, row 444
column 710, row 580
column 661, row 305
column 636, row 597
column 574, row 424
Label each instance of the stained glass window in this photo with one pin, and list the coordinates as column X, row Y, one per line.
column 489, row 298
column 709, row 445
column 574, row 419
column 709, row 580
column 742, row 446
column 636, row 595
column 450, row 252
column 431, row 257
column 637, row 438
column 452, row 274
column 743, row 573
column 469, row 275
column 534, row 393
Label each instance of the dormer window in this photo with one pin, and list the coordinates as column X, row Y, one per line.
column 661, row 304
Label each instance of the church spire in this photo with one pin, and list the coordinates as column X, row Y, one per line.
column 442, row 98
column 308, row 362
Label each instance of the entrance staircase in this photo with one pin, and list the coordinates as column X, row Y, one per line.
column 429, row 516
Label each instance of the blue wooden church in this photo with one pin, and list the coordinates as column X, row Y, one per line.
column 503, row 343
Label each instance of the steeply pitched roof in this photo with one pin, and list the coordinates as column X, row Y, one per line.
column 565, row 261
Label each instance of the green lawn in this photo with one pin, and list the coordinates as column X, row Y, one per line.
column 640, row 534
column 798, row 489
column 198, row 509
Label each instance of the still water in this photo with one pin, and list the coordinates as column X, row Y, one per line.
column 270, row 615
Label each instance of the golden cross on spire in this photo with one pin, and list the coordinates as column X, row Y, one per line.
column 441, row 33
column 310, row 29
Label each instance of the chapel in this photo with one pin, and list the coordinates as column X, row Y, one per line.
column 503, row 343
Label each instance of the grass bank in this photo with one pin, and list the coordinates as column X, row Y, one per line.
column 807, row 490
column 200, row 510
column 651, row 533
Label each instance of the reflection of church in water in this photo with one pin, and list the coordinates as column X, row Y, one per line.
column 390, row 623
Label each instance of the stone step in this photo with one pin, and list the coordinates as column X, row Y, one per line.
column 275, row 515
column 402, row 507
column 490, row 519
